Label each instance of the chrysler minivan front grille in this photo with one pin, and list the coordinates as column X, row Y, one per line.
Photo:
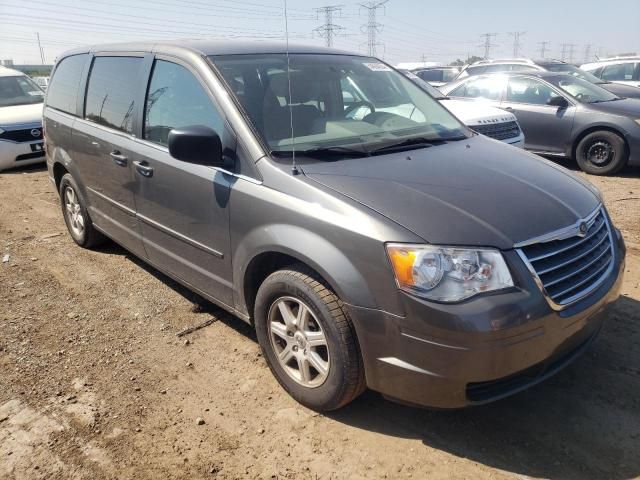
column 498, row 131
column 573, row 264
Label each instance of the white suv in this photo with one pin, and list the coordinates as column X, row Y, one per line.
column 21, row 137
column 625, row 70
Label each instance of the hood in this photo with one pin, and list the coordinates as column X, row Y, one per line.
column 473, row 192
column 621, row 90
column 21, row 114
column 471, row 113
column 627, row 107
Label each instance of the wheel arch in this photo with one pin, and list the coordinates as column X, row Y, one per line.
column 257, row 257
column 598, row 128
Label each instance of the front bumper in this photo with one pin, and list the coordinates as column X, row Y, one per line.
column 481, row 350
column 16, row 154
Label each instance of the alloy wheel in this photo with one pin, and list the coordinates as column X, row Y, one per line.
column 298, row 341
column 74, row 213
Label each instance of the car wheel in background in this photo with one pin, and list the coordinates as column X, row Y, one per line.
column 75, row 214
column 601, row 153
column 307, row 339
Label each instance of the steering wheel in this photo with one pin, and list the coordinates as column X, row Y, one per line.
column 355, row 106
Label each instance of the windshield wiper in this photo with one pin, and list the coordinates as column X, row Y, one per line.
column 324, row 152
column 415, row 142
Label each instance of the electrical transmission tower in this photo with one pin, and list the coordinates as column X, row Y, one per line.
column 329, row 29
column 567, row 52
column 516, row 42
column 587, row 53
column 543, row 49
column 372, row 27
column 487, row 43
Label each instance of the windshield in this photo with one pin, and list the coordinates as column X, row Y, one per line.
column 573, row 70
column 584, row 92
column 431, row 90
column 19, row 90
column 335, row 101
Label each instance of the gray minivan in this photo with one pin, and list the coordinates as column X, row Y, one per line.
column 370, row 237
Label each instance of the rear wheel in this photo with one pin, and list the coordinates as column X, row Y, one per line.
column 307, row 339
column 601, row 153
column 75, row 214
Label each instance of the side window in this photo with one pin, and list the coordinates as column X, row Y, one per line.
column 488, row 88
column 497, row 68
column 111, row 92
column 529, row 90
column 63, row 88
column 619, row 72
column 430, row 75
column 176, row 99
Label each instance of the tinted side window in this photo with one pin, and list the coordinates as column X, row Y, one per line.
column 489, row 88
column 63, row 89
column 430, row 75
column 111, row 91
column 176, row 99
column 528, row 90
column 620, row 72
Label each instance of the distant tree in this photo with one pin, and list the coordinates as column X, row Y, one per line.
column 470, row 60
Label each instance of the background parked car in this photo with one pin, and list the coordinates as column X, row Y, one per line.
column 21, row 141
column 625, row 70
column 437, row 76
column 42, row 82
column 563, row 116
column 520, row 64
column 492, row 122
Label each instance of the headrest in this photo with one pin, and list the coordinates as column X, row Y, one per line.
column 303, row 88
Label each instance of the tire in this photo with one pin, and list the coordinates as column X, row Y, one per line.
column 602, row 153
column 75, row 214
column 299, row 288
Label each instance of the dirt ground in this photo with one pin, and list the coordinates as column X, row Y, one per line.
column 95, row 383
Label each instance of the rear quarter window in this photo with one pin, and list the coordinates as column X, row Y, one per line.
column 62, row 93
column 111, row 92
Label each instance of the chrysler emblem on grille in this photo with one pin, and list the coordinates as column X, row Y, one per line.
column 583, row 229
column 35, row 132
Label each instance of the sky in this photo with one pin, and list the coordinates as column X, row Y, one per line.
column 408, row 30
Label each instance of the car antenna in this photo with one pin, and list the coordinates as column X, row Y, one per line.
column 294, row 168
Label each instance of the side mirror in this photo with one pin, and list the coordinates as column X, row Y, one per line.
column 558, row 101
column 196, row 144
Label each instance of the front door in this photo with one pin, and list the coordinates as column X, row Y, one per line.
column 102, row 142
column 183, row 208
column 546, row 128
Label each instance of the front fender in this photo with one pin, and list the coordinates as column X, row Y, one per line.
column 313, row 250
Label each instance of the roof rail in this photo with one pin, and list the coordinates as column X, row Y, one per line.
column 503, row 60
column 622, row 57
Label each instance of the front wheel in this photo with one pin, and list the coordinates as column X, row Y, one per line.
column 601, row 153
column 307, row 339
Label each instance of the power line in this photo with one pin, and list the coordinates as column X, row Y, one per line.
column 487, row 43
column 543, row 49
column 516, row 42
column 372, row 27
column 329, row 29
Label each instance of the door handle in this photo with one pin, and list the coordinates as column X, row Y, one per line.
column 118, row 158
column 144, row 169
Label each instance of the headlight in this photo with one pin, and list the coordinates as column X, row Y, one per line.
column 448, row 274
column 1, row 131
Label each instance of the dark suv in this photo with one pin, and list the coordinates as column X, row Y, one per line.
column 370, row 237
